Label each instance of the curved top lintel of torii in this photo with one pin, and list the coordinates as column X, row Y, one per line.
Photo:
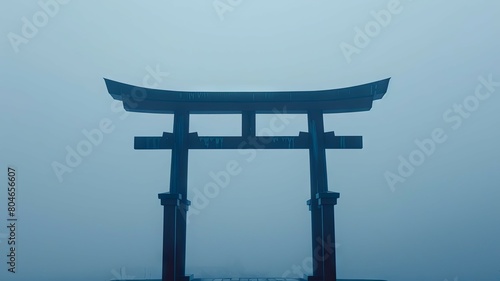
column 147, row 100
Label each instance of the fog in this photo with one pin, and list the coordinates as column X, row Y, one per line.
column 436, row 219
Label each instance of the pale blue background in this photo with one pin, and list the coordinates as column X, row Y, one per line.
column 442, row 223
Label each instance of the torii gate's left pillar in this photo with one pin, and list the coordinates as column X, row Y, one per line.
column 176, row 205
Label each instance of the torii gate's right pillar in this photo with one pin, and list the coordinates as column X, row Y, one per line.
column 321, row 203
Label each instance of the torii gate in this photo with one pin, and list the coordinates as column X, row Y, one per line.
column 248, row 104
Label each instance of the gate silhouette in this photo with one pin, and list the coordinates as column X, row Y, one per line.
column 313, row 103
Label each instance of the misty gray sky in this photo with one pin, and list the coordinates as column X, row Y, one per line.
column 437, row 220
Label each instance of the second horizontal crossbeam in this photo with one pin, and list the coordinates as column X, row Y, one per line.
column 302, row 141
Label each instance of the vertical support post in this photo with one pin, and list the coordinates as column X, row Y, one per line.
column 319, row 184
column 317, row 152
column 326, row 202
column 178, row 188
column 248, row 124
column 170, row 203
